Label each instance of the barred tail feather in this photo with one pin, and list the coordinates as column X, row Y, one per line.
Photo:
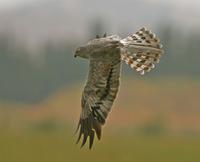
column 142, row 50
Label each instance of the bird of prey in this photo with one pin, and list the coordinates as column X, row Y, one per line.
column 140, row 51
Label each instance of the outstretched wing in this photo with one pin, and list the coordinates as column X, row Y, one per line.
column 142, row 50
column 98, row 96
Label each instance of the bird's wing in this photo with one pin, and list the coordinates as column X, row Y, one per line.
column 142, row 50
column 98, row 96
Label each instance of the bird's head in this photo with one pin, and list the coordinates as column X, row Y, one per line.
column 82, row 52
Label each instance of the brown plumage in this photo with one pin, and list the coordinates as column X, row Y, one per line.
column 141, row 51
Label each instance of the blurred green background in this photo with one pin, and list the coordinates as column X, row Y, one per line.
column 155, row 118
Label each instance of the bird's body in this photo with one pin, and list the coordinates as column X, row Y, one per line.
column 140, row 51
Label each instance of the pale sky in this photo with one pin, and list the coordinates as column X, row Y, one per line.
column 6, row 4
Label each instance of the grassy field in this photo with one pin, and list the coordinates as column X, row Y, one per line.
column 151, row 121
column 60, row 147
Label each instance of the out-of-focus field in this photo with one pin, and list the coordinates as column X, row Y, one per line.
column 151, row 121
column 59, row 147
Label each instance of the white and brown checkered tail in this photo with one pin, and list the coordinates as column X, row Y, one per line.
column 142, row 50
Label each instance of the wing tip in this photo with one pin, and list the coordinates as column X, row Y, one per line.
column 88, row 127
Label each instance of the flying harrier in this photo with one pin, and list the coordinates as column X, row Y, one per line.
column 140, row 51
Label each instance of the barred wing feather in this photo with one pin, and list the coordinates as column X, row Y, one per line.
column 98, row 96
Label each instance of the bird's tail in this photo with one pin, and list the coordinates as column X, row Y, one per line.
column 142, row 50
